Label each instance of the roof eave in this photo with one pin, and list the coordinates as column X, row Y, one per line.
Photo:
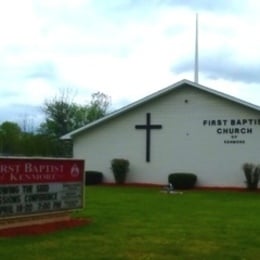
column 157, row 94
column 123, row 110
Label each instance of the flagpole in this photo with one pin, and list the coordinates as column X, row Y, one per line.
column 196, row 65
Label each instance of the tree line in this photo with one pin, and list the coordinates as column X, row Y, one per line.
column 62, row 115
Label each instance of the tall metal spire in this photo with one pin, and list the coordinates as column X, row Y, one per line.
column 196, row 65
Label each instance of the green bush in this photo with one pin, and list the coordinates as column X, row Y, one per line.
column 252, row 174
column 93, row 177
column 120, row 167
column 182, row 180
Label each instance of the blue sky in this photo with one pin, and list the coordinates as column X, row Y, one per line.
column 125, row 49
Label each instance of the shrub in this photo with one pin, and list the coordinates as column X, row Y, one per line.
column 252, row 174
column 120, row 167
column 93, row 177
column 182, row 180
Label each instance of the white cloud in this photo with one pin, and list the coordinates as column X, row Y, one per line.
column 126, row 49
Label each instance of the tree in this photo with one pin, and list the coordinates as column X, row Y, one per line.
column 10, row 138
column 15, row 142
column 64, row 115
column 98, row 106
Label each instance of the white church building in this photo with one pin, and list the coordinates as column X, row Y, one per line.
column 185, row 127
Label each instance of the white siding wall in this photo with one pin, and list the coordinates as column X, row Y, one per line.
column 182, row 145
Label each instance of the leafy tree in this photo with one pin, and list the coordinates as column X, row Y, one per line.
column 98, row 106
column 63, row 115
column 36, row 145
column 10, row 138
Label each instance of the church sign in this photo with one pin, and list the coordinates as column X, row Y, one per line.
column 37, row 185
column 234, row 130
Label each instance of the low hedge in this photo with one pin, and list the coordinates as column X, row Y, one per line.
column 182, row 180
column 93, row 177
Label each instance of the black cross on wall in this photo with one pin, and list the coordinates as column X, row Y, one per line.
column 148, row 127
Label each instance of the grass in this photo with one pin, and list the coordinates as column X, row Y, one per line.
column 142, row 223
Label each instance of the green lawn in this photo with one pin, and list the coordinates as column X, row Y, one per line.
column 143, row 223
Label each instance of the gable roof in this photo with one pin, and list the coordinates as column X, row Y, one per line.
column 155, row 95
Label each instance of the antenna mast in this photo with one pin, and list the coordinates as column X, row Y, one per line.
column 196, row 67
